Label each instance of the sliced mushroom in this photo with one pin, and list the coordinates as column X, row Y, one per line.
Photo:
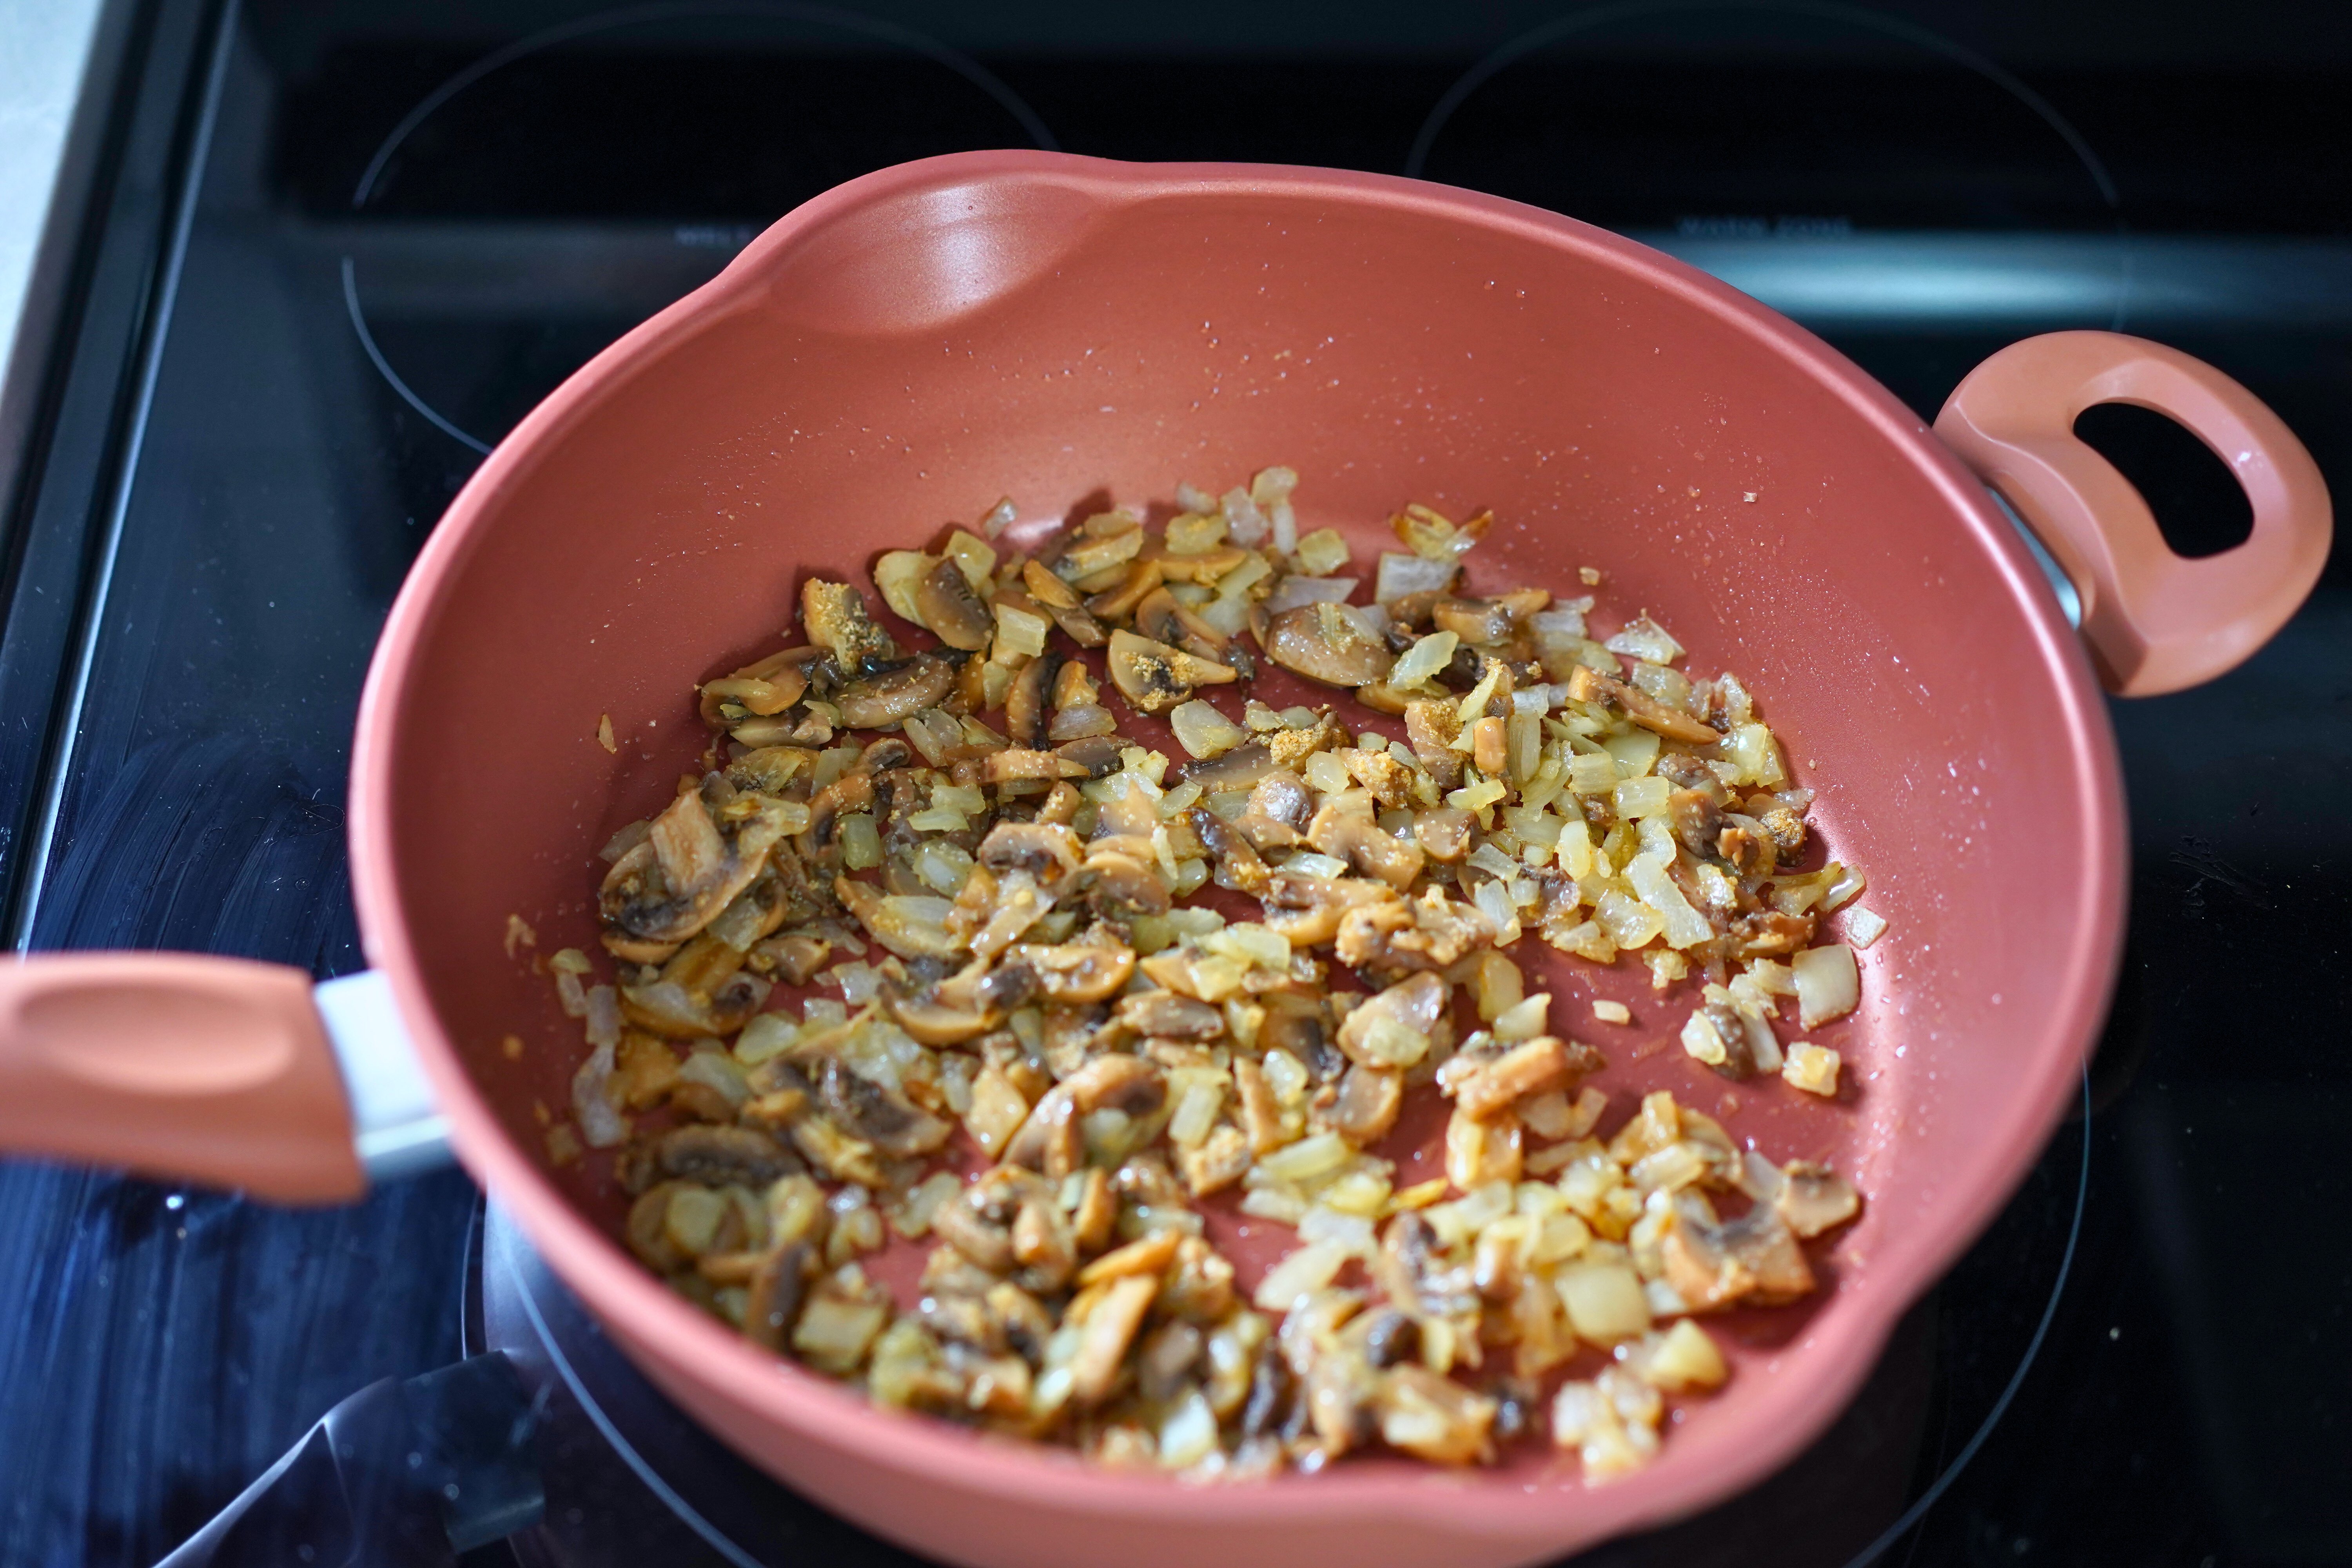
column 669, row 1009
column 1444, row 832
column 1814, row 1198
column 1368, row 848
column 1712, row 1264
column 1768, row 933
column 1308, row 909
column 721, row 1156
column 1481, row 622
column 1334, row 643
column 1047, row 851
column 1028, row 700
column 838, row 622
column 1587, row 684
column 692, row 865
column 1164, row 1014
column 1122, row 589
column 1154, row 677
column 1242, row 768
column 1076, row 972
column 877, row 1115
column 1111, row 1319
column 889, row 693
column 1367, row 1105
column 1116, row 1082
column 793, row 959
column 1119, row 887
column 771, row 1303
column 945, row 603
column 1238, row 866
column 1396, row 1027
column 1097, row 756
column 1697, row 821
column 961, row 1008
column 1280, row 805
column 1532, row 1066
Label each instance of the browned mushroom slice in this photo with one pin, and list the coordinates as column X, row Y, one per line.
column 1047, row 850
column 1166, row 1015
column 1075, row 972
column 873, row 1114
column 948, row 605
column 1334, row 643
column 772, row 1302
column 1154, row 677
column 1814, row 1198
column 1108, row 1317
column 1768, row 933
column 1433, row 932
column 1238, row 769
column 718, row 1156
column 1019, row 763
column 838, row 622
column 1161, row 617
column 1097, row 756
column 1308, row 909
column 1238, row 866
column 1119, row 887
column 1367, row 1104
column 891, row 691
column 1586, row 684
column 793, row 958
column 1121, row 589
column 1028, row 700
column 1697, row 821
column 1533, row 1066
column 1368, row 848
column 962, row 1007
column 770, row 769
column 669, row 1009
column 1302, row 1026
column 1116, row 1082
column 1279, row 809
column 1396, row 1027
column 1714, row 1262
column 729, row 703
column 1444, row 832
column 980, row 1239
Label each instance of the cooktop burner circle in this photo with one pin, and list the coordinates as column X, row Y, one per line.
column 615, row 163
column 631, row 1478
column 1775, row 124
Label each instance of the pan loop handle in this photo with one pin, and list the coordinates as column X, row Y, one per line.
column 2154, row 622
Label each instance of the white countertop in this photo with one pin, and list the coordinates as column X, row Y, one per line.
column 44, row 46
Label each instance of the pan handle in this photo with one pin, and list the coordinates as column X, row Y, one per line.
column 175, row 1066
column 2154, row 622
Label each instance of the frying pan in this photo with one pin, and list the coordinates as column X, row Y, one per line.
column 897, row 354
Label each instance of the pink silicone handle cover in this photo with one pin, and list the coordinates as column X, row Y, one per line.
column 215, row 1070
column 2153, row 621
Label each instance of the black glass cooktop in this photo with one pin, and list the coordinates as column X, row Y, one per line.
column 334, row 250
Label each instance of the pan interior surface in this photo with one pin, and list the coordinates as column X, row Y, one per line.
column 894, row 358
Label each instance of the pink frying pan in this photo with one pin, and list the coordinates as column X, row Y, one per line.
column 899, row 353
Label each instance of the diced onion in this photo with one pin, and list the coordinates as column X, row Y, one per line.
column 1401, row 574
column 1828, row 984
column 1292, row 591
